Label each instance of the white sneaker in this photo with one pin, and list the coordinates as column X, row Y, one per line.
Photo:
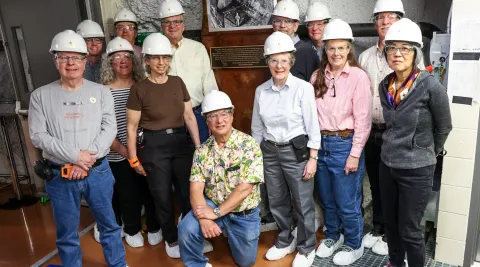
column 208, row 265
column 135, row 241
column 303, row 260
column 172, row 252
column 347, row 255
column 154, row 238
column 370, row 239
column 96, row 233
column 275, row 253
column 328, row 246
column 207, row 246
column 380, row 248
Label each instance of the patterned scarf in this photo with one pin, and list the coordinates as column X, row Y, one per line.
column 394, row 97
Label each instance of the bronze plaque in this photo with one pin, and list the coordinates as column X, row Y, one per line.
column 250, row 56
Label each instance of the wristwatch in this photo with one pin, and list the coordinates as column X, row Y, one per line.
column 315, row 158
column 216, row 211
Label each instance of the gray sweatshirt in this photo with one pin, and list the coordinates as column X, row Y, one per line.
column 418, row 128
column 62, row 123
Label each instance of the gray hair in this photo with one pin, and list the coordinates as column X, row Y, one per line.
column 107, row 74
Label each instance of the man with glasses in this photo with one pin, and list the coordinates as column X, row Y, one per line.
column 286, row 18
column 72, row 121
column 126, row 26
column 93, row 35
column 226, row 199
column 190, row 60
column 373, row 61
column 316, row 19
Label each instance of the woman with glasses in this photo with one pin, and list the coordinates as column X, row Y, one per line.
column 342, row 92
column 417, row 116
column 160, row 105
column 120, row 71
column 285, row 124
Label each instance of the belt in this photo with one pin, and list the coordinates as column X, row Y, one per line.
column 379, row 126
column 166, row 131
column 342, row 133
column 284, row 144
column 57, row 166
column 242, row 213
column 197, row 107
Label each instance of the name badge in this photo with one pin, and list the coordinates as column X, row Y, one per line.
column 73, row 103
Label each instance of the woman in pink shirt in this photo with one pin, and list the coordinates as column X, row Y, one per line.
column 342, row 91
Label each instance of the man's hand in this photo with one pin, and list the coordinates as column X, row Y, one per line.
column 310, row 169
column 76, row 173
column 86, row 159
column 209, row 228
column 204, row 212
column 140, row 170
column 351, row 165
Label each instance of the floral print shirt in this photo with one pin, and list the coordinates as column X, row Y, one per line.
column 223, row 169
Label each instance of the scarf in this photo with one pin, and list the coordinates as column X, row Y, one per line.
column 395, row 96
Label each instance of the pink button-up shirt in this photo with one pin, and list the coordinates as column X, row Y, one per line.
column 351, row 107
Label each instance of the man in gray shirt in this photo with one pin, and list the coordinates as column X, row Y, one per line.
column 72, row 121
column 94, row 37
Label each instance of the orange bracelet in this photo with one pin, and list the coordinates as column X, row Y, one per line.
column 134, row 162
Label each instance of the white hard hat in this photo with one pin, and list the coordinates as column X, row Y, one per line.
column 68, row 41
column 389, row 6
column 288, row 9
column 404, row 30
column 216, row 100
column 169, row 8
column 157, row 44
column 278, row 42
column 337, row 29
column 124, row 15
column 89, row 28
column 317, row 11
column 118, row 44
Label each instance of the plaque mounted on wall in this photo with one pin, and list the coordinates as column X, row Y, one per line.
column 250, row 56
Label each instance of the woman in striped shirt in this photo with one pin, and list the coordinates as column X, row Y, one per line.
column 120, row 70
column 342, row 91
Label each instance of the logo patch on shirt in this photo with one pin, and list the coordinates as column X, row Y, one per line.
column 93, row 100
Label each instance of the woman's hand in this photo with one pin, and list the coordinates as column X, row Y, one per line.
column 140, row 170
column 310, row 169
column 352, row 164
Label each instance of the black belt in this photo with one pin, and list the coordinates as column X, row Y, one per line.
column 166, row 131
column 57, row 166
column 279, row 144
column 242, row 213
column 197, row 107
column 379, row 126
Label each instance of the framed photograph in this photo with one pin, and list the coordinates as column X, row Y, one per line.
column 234, row 15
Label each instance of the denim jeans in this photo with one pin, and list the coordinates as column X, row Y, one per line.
column 65, row 196
column 340, row 194
column 243, row 233
column 202, row 124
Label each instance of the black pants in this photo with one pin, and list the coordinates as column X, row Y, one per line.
column 132, row 192
column 373, row 148
column 405, row 194
column 167, row 159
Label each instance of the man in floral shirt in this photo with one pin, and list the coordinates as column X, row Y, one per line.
column 224, row 189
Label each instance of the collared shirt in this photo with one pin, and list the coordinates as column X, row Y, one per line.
column 280, row 114
column 351, row 106
column 92, row 72
column 240, row 161
column 191, row 62
column 295, row 39
column 373, row 61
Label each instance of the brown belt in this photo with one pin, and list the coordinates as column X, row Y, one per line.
column 342, row 133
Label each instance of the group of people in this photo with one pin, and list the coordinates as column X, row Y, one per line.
column 141, row 126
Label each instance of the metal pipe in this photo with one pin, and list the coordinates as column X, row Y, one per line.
column 24, row 156
column 11, row 162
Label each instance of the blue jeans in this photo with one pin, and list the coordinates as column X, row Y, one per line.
column 243, row 233
column 202, row 124
column 340, row 194
column 65, row 196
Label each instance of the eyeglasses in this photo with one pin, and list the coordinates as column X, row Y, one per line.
column 340, row 49
column 288, row 22
column 221, row 114
column 404, row 50
column 64, row 59
column 94, row 40
column 318, row 24
column 126, row 27
column 176, row 23
column 158, row 58
column 119, row 58
column 281, row 62
column 390, row 17
column 333, row 87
